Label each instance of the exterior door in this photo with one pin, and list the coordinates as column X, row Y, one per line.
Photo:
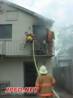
column 30, row 74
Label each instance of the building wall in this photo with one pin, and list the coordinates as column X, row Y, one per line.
column 12, row 70
column 21, row 23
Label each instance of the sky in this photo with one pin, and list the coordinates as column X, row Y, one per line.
column 58, row 10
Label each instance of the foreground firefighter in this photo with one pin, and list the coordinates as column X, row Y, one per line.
column 44, row 83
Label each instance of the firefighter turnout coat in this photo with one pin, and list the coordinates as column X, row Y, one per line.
column 44, row 83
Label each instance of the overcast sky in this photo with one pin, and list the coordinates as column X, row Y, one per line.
column 59, row 10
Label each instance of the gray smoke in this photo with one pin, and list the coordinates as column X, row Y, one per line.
column 64, row 42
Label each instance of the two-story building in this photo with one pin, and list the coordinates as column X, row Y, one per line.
column 16, row 59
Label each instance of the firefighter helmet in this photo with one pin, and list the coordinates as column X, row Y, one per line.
column 43, row 70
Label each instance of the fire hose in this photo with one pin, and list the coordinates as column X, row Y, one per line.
column 35, row 63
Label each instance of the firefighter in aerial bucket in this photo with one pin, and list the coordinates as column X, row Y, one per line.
column 44, row 83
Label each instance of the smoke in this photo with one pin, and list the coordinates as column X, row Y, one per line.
column 64, row 42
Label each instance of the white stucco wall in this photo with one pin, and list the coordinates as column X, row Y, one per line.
column 12, row 70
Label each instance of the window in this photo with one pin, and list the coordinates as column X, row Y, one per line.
column 5, row 31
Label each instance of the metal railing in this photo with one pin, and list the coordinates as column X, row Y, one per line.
column 19, row 47
column 16, row 47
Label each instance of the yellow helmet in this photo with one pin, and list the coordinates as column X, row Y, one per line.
column 29, row 38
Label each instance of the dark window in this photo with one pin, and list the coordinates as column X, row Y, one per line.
column 5, row 31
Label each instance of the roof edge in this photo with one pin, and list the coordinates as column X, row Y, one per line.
column 28, row 11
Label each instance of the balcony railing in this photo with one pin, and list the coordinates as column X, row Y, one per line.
column 14, row 48
column 19, row 48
